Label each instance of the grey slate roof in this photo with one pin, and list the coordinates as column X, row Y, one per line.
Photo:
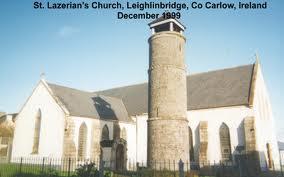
column 226, row 87
column 88, row 104
column 220, row 88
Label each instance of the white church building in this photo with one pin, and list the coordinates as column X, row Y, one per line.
column 221, row 100
column 228, row 110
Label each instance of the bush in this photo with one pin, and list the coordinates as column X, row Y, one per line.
column 50, row 173
column 87, row 170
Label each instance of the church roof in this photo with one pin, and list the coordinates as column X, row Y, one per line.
column 87, row 104
column 220, row 88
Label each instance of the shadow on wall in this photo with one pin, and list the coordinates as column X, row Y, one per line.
column 104, row 108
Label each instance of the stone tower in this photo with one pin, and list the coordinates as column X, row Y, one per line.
column 168, row 138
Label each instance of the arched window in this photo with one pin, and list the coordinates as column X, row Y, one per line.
column 116, row 131
column 105, row 133
column 36, row 132
column 82, row 141
column 191, row 150
column 124, row 134
column 225, row 142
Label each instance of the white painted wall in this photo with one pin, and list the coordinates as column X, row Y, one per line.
column 131, row 140
column 52, row 126
column 130, row 131
column 265, row 130
column 90, row 122
column 232, row 116
column 141, row 136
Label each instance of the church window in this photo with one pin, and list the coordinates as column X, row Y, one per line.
column 225, row 142
column 191, row 150
column 105, row 133
column 82, row 141
column 124, row 134
column 116, row 131
column 36, row 133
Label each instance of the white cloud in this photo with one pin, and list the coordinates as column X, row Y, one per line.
column 67, row 31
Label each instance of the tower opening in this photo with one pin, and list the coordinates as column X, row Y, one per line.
column 163, row 24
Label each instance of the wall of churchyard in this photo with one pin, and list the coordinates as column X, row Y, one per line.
column 51, row 130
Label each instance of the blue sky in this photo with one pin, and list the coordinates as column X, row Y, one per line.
column 92, row 50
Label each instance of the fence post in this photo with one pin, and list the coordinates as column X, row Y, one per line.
column 69, row 165
column 181, row 168
column 240, row 168
column 102, row 164
column 174, row 168
column 21, row 163
column 42, row 166
column 137, row 168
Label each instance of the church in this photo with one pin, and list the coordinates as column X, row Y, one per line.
column 215, row 116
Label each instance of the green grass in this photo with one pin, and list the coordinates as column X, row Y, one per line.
column 8, row 170
column 14, row 170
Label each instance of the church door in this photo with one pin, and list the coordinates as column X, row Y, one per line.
column 120, row 157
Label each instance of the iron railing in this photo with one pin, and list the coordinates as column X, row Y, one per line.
column 70, row 167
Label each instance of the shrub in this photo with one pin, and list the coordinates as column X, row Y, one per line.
column 50, row 173
column 87, row 170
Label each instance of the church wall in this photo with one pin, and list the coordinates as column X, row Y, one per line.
column 141, row 136
column 52, row 126
column 131, row 140
column 231, row 116
column 265, row 131
column 94, row 128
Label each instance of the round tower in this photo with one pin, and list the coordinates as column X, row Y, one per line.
column 168, row 139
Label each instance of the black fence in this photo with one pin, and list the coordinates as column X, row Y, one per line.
column 69, row 167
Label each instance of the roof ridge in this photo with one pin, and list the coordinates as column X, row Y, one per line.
column 118, row 87
column 71, row 88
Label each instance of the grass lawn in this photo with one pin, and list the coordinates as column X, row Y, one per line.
column 7, row 170
column 12, row 169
